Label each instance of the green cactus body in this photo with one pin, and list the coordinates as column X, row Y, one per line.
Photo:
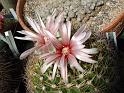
column 95, row 79
column 98, row 77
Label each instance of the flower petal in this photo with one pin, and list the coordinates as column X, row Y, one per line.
column 90, row 51
column 76, row 45
column 22, row 32
column 34, row 24
column 58, row 21
column 51, row 58
column 79, row 37
column 57, row 44
column 64, row 34
column 31, row 34
column 27, row 33
column 54, row 13
column 55, row 68
column 79, row 31
column 24, row 38
column 78, row 52
column 85, row 59
column 50, row 23
column 87, row 36
column 59, row 18
column 84, row 32
column 45, row 67
column 43, row 45
column 63, row 66
column 27, row 52
column 30, row 21
column 68, row 24
column 45, row 55
column 73, row 62
column 39, row 29
column 41, row 22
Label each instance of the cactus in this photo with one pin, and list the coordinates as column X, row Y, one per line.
column 95, row 79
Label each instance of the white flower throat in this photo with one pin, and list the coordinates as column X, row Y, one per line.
column 65, row 50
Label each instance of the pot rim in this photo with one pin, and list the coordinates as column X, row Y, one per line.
column 19, row 12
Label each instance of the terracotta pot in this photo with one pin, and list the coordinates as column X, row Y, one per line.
column 115, row 26
column 19, row 11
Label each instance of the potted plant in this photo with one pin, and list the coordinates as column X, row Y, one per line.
column 97, row 78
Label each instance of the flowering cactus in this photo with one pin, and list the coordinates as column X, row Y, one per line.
column 67, row 50
column 39, row 37
column 41, row 70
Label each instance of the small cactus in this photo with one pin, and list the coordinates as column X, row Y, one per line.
column 96, row 78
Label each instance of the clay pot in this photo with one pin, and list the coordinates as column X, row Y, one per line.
column 115, row 26
column 19, row 11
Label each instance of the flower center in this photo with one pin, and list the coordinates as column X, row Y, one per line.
column 45, row 39
column 65, row 51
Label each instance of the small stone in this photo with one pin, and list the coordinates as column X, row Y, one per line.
column 67, row 3
column 71, row 7
column 78, row 18
column 92, row 7
column 87, row 11
column 99, row 3
column 71, row 14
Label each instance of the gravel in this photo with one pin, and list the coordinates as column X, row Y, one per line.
column 97, row 13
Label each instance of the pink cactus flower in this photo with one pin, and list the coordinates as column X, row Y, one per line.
column 41, row 41
column 68, row 50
